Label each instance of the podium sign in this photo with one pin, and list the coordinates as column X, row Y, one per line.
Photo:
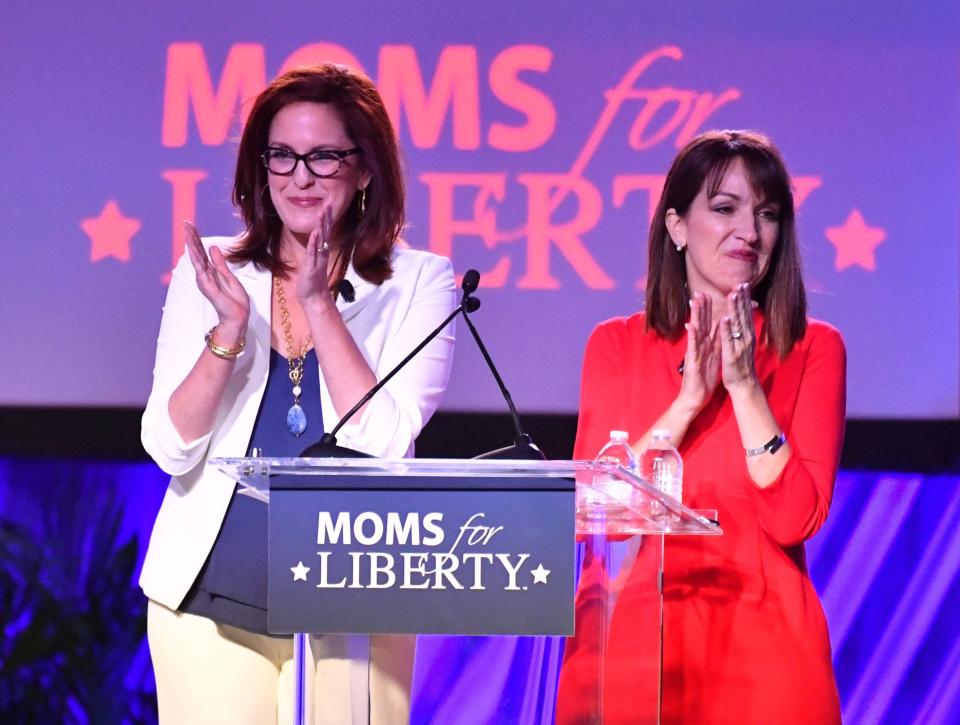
column 419, row 554
column 369, row 546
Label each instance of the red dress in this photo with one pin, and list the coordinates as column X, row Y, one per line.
column 745, row 638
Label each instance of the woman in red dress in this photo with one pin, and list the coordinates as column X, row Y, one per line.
column 753, row 394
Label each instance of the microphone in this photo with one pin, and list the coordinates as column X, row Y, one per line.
column 471, row 280
column 346, row 290
column 327, row 446
column 523, row 447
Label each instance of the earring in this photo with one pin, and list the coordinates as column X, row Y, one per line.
column 363, row 201
column 679, row 246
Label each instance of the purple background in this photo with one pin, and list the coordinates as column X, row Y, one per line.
column 863, row 95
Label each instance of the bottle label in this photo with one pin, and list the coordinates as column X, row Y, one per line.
column 660, row 469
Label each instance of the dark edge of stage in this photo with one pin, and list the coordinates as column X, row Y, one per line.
column 111, row 434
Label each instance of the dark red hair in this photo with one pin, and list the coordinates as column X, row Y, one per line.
column 367, row 239
column 702, row 164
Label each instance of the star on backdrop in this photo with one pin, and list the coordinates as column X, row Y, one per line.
column 856, row 242
column 110, row 233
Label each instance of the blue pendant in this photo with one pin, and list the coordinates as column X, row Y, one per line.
column 296, row 420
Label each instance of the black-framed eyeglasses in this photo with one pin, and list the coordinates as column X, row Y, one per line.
column 322, row 163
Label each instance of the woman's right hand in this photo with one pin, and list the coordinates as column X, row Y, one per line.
column 701, row 363
column 220, row 286
column 194, row 404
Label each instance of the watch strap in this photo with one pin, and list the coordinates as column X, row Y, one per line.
column 772, row 445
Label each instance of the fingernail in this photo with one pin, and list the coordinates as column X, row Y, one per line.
column 754, row 304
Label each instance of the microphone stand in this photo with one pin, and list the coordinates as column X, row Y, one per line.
column 327, row 446
column 523, row 448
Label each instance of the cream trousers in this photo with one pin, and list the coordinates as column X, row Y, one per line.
column 212, row 673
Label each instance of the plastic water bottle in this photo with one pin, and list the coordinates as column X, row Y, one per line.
column 661, row 465
column 618, row 452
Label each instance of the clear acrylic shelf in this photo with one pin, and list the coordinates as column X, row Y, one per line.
column 630, row 506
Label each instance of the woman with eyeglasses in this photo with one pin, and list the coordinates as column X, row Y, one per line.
column 267, row 339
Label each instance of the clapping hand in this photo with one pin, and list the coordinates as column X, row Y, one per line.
column 312, row 282
column 738, row 340
column 701, row 363
column 218, row 284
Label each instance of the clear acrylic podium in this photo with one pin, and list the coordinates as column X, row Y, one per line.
column 620, row 524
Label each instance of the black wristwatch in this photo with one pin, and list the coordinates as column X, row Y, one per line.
column 772, row 445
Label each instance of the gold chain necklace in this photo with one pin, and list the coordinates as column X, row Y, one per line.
column 296, row 419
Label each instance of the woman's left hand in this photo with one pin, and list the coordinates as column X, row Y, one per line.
column 312, row 282
column 738, row 341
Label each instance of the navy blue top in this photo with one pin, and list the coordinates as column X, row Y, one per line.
column 231, row 588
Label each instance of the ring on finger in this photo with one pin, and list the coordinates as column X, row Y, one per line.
column 736, row 334
column 325, row 247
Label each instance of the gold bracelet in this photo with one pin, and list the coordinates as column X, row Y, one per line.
column 225, row 353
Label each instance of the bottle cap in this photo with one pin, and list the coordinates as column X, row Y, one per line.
column 619, row 435
column 661, row 433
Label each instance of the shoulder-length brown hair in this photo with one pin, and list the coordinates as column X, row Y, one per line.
column 703, row 163
column 366, row 238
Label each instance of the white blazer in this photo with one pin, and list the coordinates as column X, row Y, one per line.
column 386, row 321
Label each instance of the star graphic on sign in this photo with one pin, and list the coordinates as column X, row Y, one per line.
column 110, row 233
column 540, row 574
column 299, row 572
column 855, row 242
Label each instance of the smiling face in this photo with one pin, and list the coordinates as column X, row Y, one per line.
column 729, row 234
column 303, row 128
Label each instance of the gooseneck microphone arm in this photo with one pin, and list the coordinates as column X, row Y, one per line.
column 331, row 437
column 523, row 447
column 327, row 445
column 496, row 374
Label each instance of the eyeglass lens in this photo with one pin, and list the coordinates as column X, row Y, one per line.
column 319, row 163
